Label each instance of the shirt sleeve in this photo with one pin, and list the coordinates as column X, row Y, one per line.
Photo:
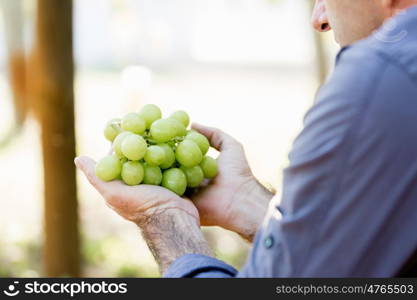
column 348, row 199
column 198, row 266
column 347, row 207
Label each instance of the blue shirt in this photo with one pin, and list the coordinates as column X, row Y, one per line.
column 349, row 200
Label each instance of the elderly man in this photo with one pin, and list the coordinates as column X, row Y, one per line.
column 349, row 200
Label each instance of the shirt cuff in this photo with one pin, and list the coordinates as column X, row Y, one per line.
column 196, row 265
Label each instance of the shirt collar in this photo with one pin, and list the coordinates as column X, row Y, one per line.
column 343, row 49
column 392, row 35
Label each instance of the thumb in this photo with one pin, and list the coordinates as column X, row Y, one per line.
column 87, row 165
column 218, row 139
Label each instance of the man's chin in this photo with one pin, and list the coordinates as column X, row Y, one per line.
column 343, row 41
column 337, row 39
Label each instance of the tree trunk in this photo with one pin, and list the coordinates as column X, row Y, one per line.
column 51, row 85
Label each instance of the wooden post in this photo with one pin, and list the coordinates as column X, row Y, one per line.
column 51, row 86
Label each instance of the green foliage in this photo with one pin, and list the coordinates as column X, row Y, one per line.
column 22, row 259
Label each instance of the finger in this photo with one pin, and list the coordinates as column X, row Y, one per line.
column 87, row 165
column 218, row 139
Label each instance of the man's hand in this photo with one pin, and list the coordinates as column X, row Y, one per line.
column 234, row 199
column 170, row 224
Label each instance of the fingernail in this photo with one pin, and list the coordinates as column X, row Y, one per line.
column 77, row 161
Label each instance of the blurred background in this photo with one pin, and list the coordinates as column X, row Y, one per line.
column 249, row 67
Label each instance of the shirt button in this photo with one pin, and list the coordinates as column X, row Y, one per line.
column 269, row 242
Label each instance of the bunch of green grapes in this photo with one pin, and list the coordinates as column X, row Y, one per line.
column 147, row 149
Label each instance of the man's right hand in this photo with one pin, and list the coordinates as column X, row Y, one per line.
column 234, row 199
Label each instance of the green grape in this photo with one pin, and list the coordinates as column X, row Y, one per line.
column 169, row 156
column 181, row 116
column 112, row 129
column 134, row 147
column 132, row 173
column 117, row 143
column 179, row 128
column 153, row 175
column 200, row 140
column 164, row 130
column 155, row 155
column 122, row 161
column 194, row 176
column 174, row 179
column 134, row 123
column 209, row 167
column 188, row 154
column 108, row 168
column 150, row 113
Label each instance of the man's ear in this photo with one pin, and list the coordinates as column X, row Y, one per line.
column 393, row 7
column 386, row 3
column 388, row 7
